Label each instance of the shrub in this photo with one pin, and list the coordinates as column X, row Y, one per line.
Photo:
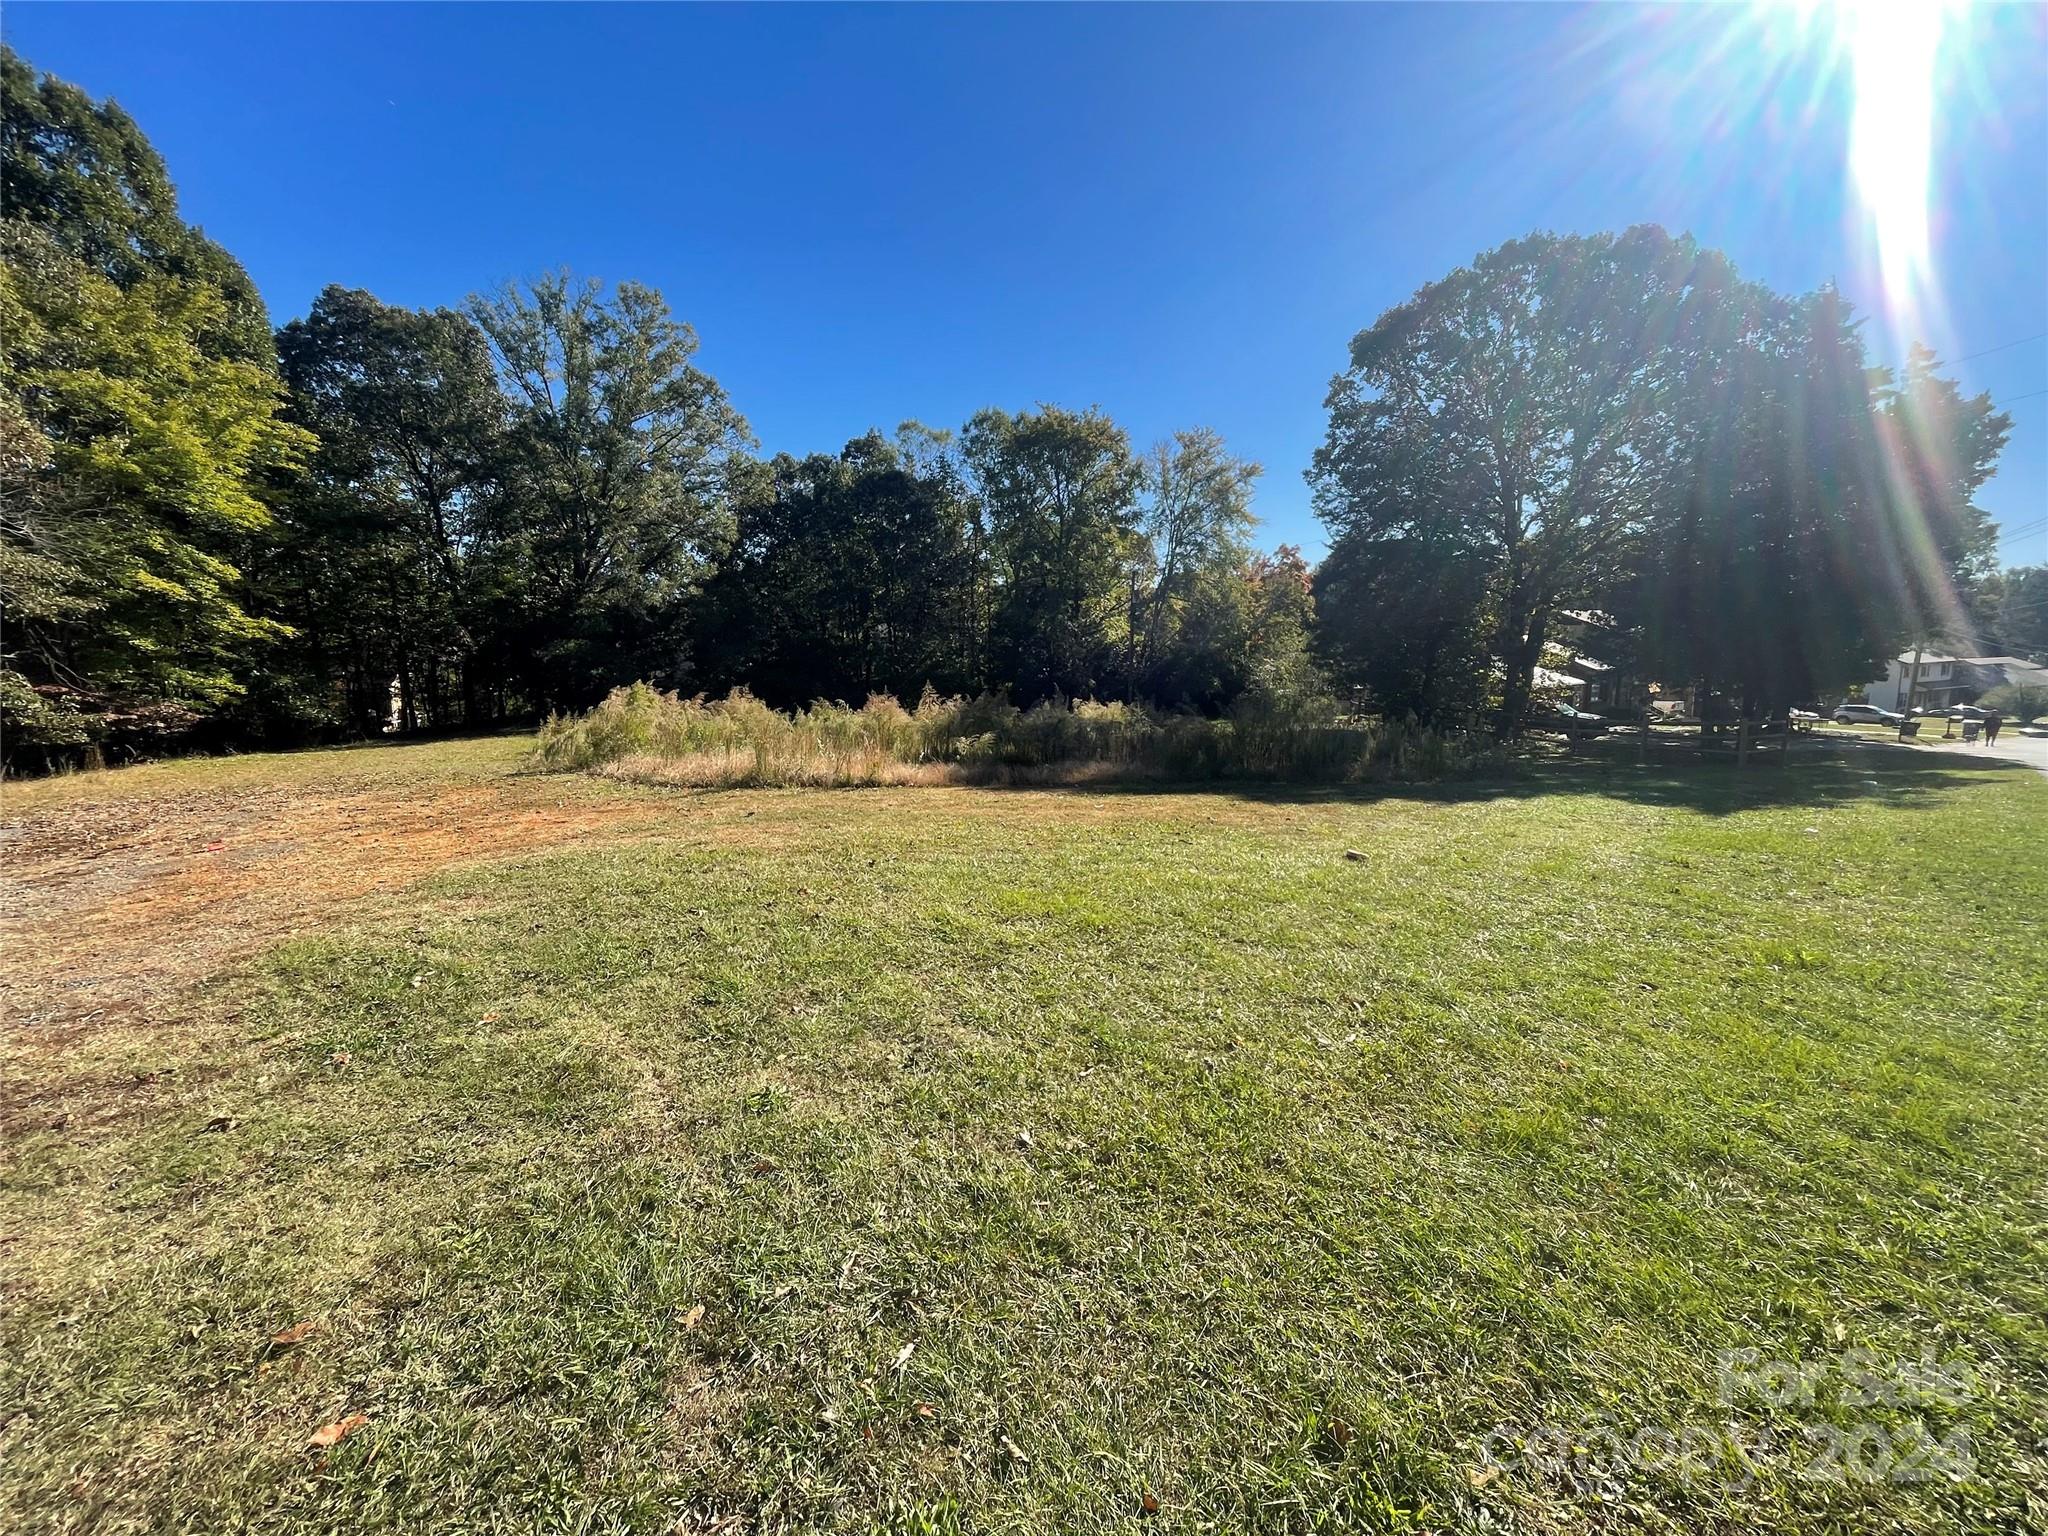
column 2025, row 702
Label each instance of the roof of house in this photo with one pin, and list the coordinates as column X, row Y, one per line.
column 1929, row 657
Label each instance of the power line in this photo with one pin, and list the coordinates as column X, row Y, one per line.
column 2003, row 346
column 2008, row 400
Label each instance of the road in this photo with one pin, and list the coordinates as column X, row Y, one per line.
column 2032, row 750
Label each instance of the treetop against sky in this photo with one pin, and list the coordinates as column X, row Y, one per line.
column 874, row 213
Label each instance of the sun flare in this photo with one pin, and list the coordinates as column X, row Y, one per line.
column 1893, row 50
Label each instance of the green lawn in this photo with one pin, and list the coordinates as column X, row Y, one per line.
column 1007, row 1161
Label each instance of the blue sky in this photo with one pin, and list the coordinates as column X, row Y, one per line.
column 1179, row 213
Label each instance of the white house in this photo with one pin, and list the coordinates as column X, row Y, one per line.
column 1945, row 681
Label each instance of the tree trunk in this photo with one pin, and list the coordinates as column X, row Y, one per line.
column 1521, row 649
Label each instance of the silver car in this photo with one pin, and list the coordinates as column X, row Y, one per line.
column 1866, row 714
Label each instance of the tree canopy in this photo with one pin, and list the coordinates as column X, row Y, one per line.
column 1622, row 423
column 140, row 413
column 619, row 453
column 388, row 564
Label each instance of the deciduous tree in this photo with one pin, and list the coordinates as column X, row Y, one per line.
column 1059, row 493
column 620, row 450
column 385, row 569
column 139, row 406
column 849, row 574
column 1518, row 411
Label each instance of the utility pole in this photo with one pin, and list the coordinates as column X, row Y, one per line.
column 1912, row 687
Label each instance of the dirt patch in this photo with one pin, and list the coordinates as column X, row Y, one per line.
column 113, row 908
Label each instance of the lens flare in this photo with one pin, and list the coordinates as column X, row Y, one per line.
column 1894, row 46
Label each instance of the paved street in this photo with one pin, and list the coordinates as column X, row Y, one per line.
column 2032, row 750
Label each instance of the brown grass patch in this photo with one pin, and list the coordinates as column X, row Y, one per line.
column 113, row 907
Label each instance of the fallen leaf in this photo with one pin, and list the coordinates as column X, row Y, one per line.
column 1479, row 1477
column 489, row 1018
column 284, row 1338
column 1340, row 1432
column 926, row 1411
column 333, row 1434
column 1024, row 1140
column 1011, row 1446
column 419, row 981
column 215, row 846
column 903, row 1356
column 693, row 1317
column 340, row 1059
column 1149, row 1505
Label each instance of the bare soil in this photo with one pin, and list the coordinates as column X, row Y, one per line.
column 110, row 906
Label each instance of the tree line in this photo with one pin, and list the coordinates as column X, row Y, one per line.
column 378, row 518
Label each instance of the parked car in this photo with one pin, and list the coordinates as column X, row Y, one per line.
column 1969, row 712
column 1866, row 714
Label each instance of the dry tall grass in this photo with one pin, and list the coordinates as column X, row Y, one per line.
column 646, row 735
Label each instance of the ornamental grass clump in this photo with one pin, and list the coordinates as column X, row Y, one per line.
column 642, row 733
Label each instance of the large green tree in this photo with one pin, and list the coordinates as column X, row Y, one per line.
column 849, row 574
column 1520, row 413
column 1059, row 492
column 1821, row 517
column 140, row 418
column 1403, row 619
column 1928, row 536
column 386, row 567
column 1198, row 520
column 2022, row 624
column 83, row 172
column 617, row 479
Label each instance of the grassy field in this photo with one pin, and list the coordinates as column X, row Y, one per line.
column 906, row 1160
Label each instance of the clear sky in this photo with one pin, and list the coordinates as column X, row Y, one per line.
column 1181, row 214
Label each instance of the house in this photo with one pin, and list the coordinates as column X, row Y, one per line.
column 1946, row 681
column 1570, row 672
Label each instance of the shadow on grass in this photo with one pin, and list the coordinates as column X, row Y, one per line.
column 1675, row 775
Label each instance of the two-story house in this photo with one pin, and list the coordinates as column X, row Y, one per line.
column 1946, row 681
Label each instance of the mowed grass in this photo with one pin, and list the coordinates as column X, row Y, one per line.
column 1006, row 1161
